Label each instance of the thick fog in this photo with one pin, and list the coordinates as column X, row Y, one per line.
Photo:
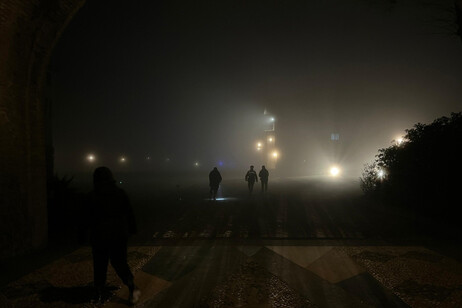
column 182, row 86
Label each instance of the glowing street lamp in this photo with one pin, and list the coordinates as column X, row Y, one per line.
column 399, row 141
column 196, row 164
column 122, row 159
column 275, row 155
column 381, row 174
column 259, row 146
column 334, row 171
column 91, row 158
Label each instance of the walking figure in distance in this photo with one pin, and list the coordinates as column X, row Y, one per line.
column 214, row 182
column 263, row 174
column 111, row 222
column 251, row 178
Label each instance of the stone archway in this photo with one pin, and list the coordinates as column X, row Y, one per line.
column 28, row 33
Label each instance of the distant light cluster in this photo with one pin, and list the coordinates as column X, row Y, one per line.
column 90, row 158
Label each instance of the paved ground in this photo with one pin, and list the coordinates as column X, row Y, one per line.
column 306, row 243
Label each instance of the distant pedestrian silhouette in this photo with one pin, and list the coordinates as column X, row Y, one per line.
column 111, row 222
column 263, row 174
column 251, row 178
column 214, row 182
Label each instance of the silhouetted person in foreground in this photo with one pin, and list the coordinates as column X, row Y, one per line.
column 214, row 182
column 263, row 174
column 111, row 222
column 251, row 178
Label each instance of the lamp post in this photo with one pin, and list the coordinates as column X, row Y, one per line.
column 270, row 140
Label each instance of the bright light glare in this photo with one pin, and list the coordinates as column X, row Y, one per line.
column 272, row 119
column 270, row 139
column 259, row 144
column 91, row 157
column 334, row 171
column 122, row 159
column 399, row 140
column 196, row 164
column 275, row 154
column 381, row 174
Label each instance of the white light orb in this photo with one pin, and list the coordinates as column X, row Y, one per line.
column 334, row 171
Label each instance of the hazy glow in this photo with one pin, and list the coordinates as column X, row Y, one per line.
column 381, row 174
column 196, row 164
column 259, row 146
column 229, row 99
column 122, row 159
column 275, row 154
column 334, row 171
column 91, row 157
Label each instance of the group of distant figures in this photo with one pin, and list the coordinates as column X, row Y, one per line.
column 250, row 177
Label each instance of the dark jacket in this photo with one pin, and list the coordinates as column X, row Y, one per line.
column 263, row 174
column 110, row 214
column 214, row 178
column 251, row 176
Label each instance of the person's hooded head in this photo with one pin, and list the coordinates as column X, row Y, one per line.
column 251, row 167
column 102, row 177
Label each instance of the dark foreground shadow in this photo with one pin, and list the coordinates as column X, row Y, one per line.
column 74, row 295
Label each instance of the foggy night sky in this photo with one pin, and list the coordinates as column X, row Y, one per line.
column 189, row 80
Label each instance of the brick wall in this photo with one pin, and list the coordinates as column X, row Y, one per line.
column 28, row 33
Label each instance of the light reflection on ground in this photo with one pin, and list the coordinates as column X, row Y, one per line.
column 223, row 199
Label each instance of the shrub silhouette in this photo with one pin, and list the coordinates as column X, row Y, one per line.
column 424, row 171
